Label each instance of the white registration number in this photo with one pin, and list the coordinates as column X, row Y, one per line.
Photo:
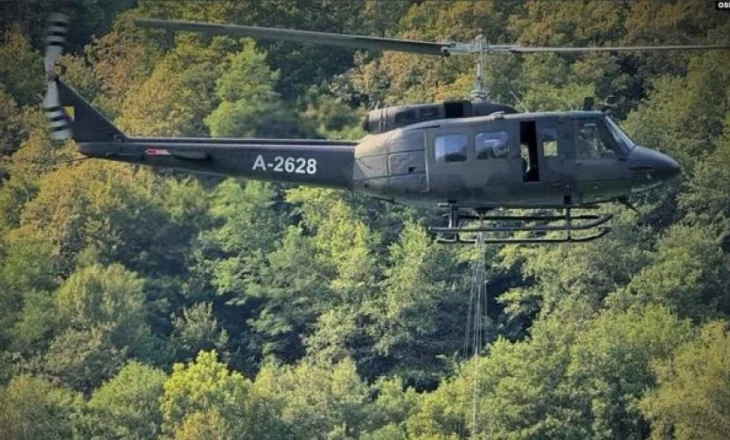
column 291, row 165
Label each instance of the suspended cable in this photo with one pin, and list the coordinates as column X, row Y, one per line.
column 475, row 334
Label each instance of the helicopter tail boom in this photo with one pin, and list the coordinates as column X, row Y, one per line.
column 314, row 162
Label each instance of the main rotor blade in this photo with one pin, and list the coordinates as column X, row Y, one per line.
column 342, row 40
column 394, row 44
column 521, row 49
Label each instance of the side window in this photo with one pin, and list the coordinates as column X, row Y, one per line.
column 549, row 138
column 451, row 148
column 491, row 145
column 592, row 142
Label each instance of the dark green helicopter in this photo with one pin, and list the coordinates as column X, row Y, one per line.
column 469, row 157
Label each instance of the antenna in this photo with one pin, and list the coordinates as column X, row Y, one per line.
column 520, row 103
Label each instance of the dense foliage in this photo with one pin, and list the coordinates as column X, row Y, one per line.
column 141, row 304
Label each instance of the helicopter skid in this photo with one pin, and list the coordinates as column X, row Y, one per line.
column 569, row 239
column 588, row 222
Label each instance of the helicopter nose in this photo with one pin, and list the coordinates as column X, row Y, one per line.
column 650, row 168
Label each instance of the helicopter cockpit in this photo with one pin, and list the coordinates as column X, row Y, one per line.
column 624, row 141
column 601, row 138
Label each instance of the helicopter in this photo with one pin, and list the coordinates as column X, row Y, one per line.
column 475, row 159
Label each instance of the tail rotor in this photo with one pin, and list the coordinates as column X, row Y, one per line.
column 56, row 29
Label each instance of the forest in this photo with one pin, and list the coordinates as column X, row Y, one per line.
column 142, row 304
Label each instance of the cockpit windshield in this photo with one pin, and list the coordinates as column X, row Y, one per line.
column 626, row 143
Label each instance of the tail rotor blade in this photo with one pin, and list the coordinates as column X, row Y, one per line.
column 60, row 125
column 57, row 27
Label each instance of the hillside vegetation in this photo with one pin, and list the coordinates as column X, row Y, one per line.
column 145, row 304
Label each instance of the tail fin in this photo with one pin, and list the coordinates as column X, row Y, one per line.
column 86, row 123
column 68, row 113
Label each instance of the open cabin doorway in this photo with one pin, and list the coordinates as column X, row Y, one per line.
column 529, row 152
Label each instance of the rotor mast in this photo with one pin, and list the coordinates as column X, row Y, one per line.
column 479, row 93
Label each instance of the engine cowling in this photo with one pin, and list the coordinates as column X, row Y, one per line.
column 389, row 118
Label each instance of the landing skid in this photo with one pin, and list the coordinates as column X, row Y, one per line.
column 495, row 224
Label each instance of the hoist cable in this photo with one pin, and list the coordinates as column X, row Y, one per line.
column 475, row 331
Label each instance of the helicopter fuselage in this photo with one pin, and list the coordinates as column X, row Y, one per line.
column 509, row 160
column 519, row 160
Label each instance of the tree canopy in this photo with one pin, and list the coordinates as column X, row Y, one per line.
column 145, row 304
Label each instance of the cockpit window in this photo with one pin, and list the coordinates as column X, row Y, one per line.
column 626, row 143
column 451, row 148
column 491, row 145
column 594, row 142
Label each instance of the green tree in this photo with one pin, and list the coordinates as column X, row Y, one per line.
column 111, row 298
column 26, row 278
column 21, row 68
column 246, row 76
column 255, row 119
column 706, row 200
column 128, row 405
column 204, row 424
column 585, row 271
column 293, row 291
column 420, row 313
column 10, row 124
column 302, row 65
column 177, row 96
column 685, row 113
column 249, row 107
column 196, row 329
column 225, row 398
column 344, row 242
column 201, row 385
column 611, row 366
column 345, row 250
column 32, row 408
column 571, row 379
column 334, row 119
column 37, row 322
column 249, row 225
column 250, row 221
column 693, row 394
column 99, row 212
column 689, row 274
column 83, row 359
column 393, row 406
column 246, row 223
column 121, row 60
column 33, row 157
column 318, row 399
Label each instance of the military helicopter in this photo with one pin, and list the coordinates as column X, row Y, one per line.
column 472, row 158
